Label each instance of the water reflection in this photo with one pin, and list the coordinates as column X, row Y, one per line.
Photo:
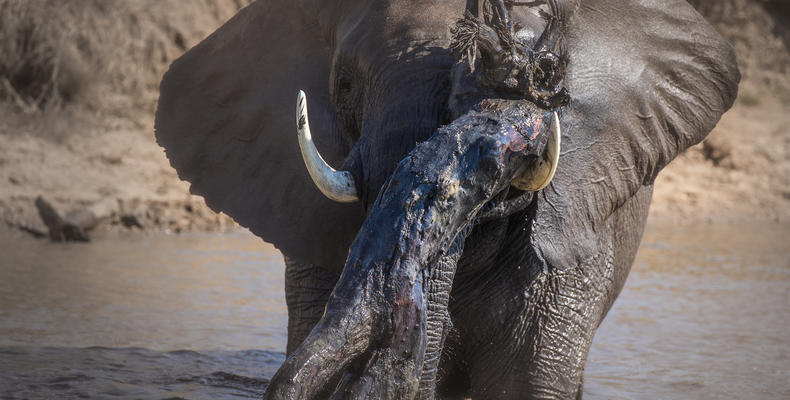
column 705, row 314
column 199, row 292
column 133, row 373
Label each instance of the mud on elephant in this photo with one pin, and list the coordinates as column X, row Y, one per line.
column 495, row 162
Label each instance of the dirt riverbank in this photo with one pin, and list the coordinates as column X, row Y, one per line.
column 77, row 102
column 78, row 88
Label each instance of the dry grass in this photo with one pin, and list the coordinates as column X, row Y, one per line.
column 110, row 54
column 38, row 67
column 760, row 32
column 106, row 54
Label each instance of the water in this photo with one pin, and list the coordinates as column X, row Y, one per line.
column 193, row 316
column 705, row 314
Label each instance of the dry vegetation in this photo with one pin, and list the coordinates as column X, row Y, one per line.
column 106, row 54
column 79, row 82
column 78, row 87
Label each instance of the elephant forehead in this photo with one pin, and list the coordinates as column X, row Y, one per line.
column 415, row 20
column 431, row 22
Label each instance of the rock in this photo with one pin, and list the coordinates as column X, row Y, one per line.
column 131, row 221
column 51, row 218
column 72, row 228
column 104, row 209
column 83, row 218
column 73, row 233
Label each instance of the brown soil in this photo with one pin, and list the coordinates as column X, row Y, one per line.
column 79, row 83
column 78, row 89
column 740, row 172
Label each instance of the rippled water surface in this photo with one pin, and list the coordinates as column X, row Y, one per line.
column 705, row 314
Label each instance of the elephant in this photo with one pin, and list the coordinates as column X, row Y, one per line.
column 493, row 163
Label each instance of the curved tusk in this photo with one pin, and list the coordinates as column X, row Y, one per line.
column 336, row 185
column 540, row 177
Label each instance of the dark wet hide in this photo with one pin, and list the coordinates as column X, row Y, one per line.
column 133, row 373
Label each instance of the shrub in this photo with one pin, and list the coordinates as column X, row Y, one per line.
column 109, row 54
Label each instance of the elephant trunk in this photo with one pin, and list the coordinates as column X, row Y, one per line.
column 437, row 288
column 375, row 329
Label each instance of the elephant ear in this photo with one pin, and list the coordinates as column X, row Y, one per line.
column 648, row 79
column 653, row 73
column 226, row 117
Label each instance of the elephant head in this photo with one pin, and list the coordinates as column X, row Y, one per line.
column 466, row 269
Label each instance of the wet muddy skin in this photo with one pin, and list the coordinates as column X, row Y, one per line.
column 376, row 319
column 704, row 315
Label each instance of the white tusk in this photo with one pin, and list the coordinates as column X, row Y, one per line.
column 336, row 185
column 553, row 149
column 542, row 175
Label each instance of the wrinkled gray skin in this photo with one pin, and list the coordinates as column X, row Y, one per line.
column 457, row 284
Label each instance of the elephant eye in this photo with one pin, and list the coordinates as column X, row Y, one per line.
column 547, row 71
column 540, row 79
column 345, row 97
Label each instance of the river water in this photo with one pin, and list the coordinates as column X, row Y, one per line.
column 705, row 314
